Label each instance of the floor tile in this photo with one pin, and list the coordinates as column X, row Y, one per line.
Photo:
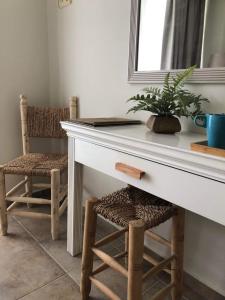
column 61, row 288
column 104, row 228
column 41, row 230
column 24, row 266
column 58, row 249
column 114, row 281
column 153, row 290
column 110, row 278
column 189, row 292
column 27, row 270
column 156, row 288
column 75, row 272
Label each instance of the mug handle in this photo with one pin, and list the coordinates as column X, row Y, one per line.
column 202, row 119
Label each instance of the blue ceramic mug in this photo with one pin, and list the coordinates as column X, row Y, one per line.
column 215, row 125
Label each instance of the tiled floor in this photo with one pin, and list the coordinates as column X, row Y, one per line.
column 32, row 266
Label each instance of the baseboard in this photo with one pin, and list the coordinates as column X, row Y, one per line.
column 201, row 289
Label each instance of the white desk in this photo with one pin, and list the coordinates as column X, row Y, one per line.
column 173, row 172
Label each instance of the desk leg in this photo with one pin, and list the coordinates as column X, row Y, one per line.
column 178, row 223
column 75, row 188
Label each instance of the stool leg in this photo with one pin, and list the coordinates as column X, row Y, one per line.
column 88, row 242
column 3, row 213
column 135, row 259
column 177, row 249
column 55, row 189
column 126, row 246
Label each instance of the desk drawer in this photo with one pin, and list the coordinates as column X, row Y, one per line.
column 195, row 193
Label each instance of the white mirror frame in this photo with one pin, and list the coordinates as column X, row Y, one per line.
column 206, row 75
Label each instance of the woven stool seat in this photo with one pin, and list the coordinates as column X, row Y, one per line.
column 130, row 204
column 36, row 164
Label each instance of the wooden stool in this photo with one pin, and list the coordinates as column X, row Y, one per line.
column 136, row 212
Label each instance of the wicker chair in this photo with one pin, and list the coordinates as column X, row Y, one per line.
column 136, row 212
column 38, row 123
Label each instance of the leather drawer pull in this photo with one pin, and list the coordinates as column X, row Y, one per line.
column 128, row 170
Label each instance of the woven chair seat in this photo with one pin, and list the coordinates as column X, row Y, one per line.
column 130, row 204
column 36, row 164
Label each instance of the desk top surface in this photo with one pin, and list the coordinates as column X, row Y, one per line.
column 174, row 150
column 141, row 133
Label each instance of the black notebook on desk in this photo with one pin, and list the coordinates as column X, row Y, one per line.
column 105, row 121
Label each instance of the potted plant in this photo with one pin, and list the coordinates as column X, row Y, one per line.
column 168, row 103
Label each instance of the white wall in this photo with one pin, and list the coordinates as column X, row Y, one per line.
column 88, row 44
column 23, row 66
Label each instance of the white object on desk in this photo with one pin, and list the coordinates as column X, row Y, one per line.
column 173, row 172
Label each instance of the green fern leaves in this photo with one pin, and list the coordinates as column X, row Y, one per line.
column 172, row 99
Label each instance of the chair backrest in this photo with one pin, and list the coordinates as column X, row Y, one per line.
column 44, row 122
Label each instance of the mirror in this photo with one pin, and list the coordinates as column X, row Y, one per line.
column 170, row 35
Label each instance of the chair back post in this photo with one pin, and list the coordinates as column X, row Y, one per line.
column 23, row 113
column 73, row 108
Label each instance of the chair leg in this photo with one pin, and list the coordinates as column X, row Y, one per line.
column 3, row 213
column 88, row 242
column 28, row 189
column 135, row 259
column 55, row 189
column 177, row 248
